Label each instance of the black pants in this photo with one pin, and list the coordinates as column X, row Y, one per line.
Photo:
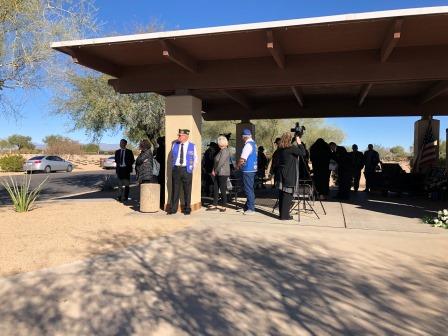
column 220, row 183
column 161, row 180
column 368, row 176
column 322, row 180
column 180, row 176
column 284, row 204
column 356, row 178
column 124, row 179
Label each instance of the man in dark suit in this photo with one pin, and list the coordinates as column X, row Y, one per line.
column 357, row 159
column 124, row 159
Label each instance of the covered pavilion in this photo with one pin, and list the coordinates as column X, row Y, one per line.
column 389, row 63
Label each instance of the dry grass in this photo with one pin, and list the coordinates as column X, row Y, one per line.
column 60, row 232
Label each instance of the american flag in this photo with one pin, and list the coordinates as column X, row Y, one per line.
column 428, row 152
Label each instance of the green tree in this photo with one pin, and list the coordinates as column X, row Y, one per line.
column 26, row 30
column 21, row 141
column 442, row 149
column 93, row 105
column 91, row 148
column 398, row 151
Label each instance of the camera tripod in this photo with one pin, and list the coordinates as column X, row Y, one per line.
column 305, row 191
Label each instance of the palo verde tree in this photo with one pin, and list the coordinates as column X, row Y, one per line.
column 27, row 27
column 93, row 105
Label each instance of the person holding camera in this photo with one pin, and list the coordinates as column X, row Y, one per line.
column 248, row 165
column 288, row 156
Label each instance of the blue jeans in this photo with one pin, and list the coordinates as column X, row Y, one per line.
column 248, row 183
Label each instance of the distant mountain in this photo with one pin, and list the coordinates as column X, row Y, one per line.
column 108, row 147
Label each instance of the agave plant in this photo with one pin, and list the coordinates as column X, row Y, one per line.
column 21, row 195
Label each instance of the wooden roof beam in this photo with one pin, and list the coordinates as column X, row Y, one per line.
column 363, row 93
column 434, row 91
column 298, row 94
column 275, row 49
column 179, row 56
column 239, row 98
column 391, row 39
column 99, row 64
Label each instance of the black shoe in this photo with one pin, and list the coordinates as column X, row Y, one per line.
column 187, row 212
column 170, row 212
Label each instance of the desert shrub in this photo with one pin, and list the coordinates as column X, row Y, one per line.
column 12, row 162
column 22, row 196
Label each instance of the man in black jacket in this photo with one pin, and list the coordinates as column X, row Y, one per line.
column 124, row 159
column 357, row 159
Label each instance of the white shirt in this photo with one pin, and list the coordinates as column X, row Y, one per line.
column 122, row 155
column 186, row 144
column 247, row 149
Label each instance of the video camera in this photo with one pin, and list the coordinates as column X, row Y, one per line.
column 298, row 130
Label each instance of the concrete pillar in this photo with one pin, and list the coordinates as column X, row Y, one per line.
column 420, row 127
column 239, row 130
column 149, row 197
column 183, row 111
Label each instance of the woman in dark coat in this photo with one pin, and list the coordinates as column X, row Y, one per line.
column 144, row 163
column 320, row 155
column 288, row 157
column 221, row 173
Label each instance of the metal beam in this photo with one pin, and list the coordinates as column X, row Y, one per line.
column 410, row 64
column 239, row 98
column 298, row 94
column 178, row 56
column 97, row 63
column 325, row 108
column 363, row 93
column 391, row 39
column 275, row 49
column 434, row 91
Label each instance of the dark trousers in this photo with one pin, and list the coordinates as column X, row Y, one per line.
column 356, row 178
column 220, row 183
column 161, row 180
column 284, row 204
column 368, row 176
column 180, row 176
column 322, row 180
column 124, row 180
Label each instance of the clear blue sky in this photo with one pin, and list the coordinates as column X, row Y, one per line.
column 119, row 17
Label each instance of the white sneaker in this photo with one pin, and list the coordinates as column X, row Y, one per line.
column 249, row 212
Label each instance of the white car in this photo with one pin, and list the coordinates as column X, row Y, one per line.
column 47, row 164
column 109, row 163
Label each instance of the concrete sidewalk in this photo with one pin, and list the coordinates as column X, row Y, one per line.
column 231, row 274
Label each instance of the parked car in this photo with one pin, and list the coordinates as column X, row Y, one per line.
column 109, row 163
column 47, row 164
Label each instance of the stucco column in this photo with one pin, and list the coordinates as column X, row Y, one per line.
column 420, row 128
column 183, row 111
column 239, row 130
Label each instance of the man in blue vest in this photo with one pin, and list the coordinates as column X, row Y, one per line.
column 183, row 161
column 248, row 165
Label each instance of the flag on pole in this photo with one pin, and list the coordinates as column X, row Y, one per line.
column 428, row 153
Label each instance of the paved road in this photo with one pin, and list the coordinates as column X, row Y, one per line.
column 62, row 184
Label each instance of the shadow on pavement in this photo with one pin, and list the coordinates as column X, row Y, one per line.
column 230, row 285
